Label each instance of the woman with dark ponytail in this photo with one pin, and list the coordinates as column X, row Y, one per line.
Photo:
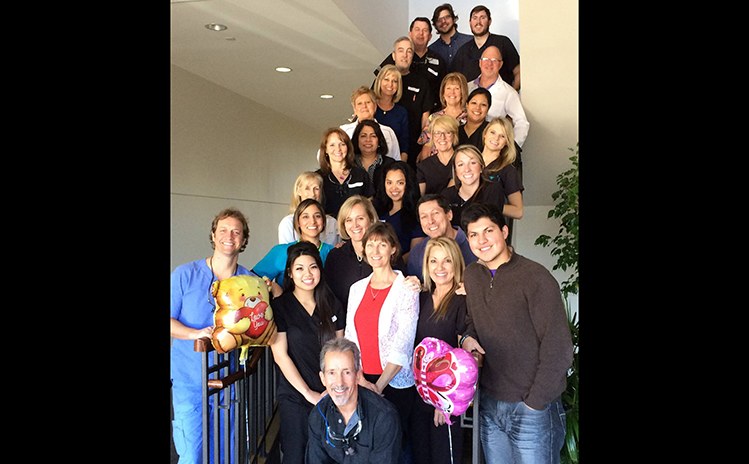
column 307, row 315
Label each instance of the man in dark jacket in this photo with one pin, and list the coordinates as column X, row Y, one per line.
column 351, row 424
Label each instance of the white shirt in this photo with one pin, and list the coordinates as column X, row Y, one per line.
column 506, row 102
column 394, row 149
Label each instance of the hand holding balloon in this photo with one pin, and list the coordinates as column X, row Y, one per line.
column 446, row 377
column 439, row 417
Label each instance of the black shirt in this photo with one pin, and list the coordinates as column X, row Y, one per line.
column 489, row 192
column 303, row 337
column 434, row 174
column 467, row 58
column 405, row 230
column 417, row 99
column 431, row 66
column 342, row 269
column 447, row 329
column 357, row 183
column 476, row 139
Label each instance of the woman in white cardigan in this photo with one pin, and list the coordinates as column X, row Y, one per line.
column 381, row 319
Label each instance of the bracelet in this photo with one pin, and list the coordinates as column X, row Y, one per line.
column 462, row 339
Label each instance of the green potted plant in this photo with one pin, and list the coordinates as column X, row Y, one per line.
column 565, row 248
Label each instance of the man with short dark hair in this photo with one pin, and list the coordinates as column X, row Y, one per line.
column 517, row 320
column 350, row 424
column 435, row 216
column 448, row 43
column 467, row 58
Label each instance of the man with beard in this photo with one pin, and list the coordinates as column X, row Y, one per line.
column 467, row 58
column 450, row 40
column 350, row 424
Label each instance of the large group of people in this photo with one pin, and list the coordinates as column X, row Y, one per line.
column 404, row 232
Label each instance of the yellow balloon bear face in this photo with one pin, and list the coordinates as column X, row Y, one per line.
column 243, row 316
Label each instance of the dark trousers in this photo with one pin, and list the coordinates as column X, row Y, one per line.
column 402, row 398
column 432, row 442
column 294, row 429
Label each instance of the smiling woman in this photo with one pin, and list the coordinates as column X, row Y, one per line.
column 309, row 223
column 381, row 319
column 395, row 201
column 307, row 315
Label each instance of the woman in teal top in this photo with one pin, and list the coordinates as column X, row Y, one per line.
column 309, row 223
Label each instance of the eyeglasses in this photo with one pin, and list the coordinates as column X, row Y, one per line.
column 345, row 441
column 442, row 19
column 493, row 60
column 441, row 134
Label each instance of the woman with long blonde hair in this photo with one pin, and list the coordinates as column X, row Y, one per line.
column 388, row 88
column 442, row 315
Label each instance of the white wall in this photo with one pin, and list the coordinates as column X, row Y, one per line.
column 549, row 70
column 230, row 151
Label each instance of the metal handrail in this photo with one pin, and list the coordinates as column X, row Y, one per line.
column 243, row 386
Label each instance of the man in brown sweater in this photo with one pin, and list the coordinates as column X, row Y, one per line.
column 517, row 320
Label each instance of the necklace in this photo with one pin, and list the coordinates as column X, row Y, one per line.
column 213, row 279
column 356, row 253
column 343, row 174
column 374, row 294
column 210, row 265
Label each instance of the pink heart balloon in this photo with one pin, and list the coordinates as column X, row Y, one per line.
column 445, row 376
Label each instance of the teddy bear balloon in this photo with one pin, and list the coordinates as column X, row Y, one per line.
column 243, row 316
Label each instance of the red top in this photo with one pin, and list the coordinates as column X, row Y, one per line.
column 366, row 323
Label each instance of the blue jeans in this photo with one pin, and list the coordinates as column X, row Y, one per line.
column 511, row 432
column 187, row 430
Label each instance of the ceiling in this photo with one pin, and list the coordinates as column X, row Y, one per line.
column 319, row 40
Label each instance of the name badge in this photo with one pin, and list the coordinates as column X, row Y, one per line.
column 433, row 61
column 432, row 71
column 356, row 184
column 413, row 89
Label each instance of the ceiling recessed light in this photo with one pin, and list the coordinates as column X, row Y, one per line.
column 283, row 69
column 216, row 27
column 326, row 96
